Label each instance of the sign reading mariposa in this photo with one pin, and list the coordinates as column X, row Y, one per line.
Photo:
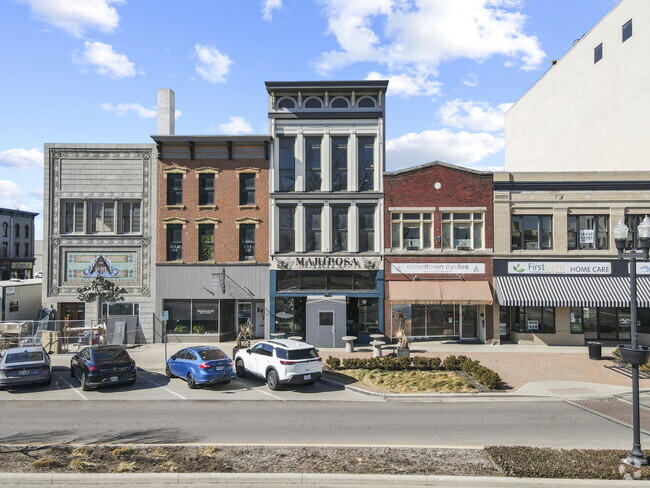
column 559, row 267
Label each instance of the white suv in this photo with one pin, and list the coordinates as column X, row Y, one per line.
column 280, row 361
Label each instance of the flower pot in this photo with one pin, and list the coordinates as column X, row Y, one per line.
column 636, row 357
column 403, row 352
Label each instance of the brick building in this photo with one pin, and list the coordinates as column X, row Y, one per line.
column 438, row 252
column 212, row 256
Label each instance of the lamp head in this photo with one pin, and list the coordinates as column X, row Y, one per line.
column 620, row 234
column 643, row 230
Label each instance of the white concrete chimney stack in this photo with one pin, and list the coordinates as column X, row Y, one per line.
column 166, row 112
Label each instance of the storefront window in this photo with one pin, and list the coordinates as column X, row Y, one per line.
column 326, row 280
column 180, row 316
column 290, row 315
column 588, row 232
column 227, row 317
column 120, row 308
column 205, row 317
column 605, row 323
column 362, row 316
column 575, row 320
column 536, row 320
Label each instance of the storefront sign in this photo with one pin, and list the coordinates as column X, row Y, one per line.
column 115, row 266
column 560, row 267
column 327, row 263
column 533, row 325
column 438, row 268
column 642, row 268
column 21, row 265
column 10, row 290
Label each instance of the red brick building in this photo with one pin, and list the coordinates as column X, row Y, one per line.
column 213, row 235
column 438, row 244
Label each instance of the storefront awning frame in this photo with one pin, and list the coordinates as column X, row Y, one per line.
column 425, row 292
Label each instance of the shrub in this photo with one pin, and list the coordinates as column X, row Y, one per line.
column 373, row 363
column 403, row 363
column 435, row 363
column 424, row 364
column 332, row 362
column 483, row 375
column 355, row 363
column 388, row 363
column 452, row 363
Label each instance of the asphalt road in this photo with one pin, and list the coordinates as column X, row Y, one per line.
column 552, row 424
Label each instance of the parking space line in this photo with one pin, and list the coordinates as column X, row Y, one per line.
column 269, row 394
column 70, row 385
column 163, row 387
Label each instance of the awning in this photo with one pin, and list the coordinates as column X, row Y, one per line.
column 440, row 292
column 571, row 291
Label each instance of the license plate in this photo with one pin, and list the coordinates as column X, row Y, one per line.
column 219, row 368
column 307, row 376
column 23, row 372
column 115, row 378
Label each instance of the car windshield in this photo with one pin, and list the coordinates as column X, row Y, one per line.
column 111, row 355
column 212, row 354
column 23, row 357
column 302, row 353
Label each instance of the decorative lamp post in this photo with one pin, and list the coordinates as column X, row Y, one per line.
column 634, row 354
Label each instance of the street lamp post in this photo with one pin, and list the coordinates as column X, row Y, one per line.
column 634, row 355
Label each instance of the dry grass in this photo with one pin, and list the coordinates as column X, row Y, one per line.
column 125, row 467
column 209, row 451
column 122, row 452
column 168, row 467
column 79, row 465
column 412, row 381
column 159, row 453
column 45, row 463
column 80, row 452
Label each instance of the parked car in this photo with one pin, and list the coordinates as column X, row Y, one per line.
column 201, row 365
column 25, row 365
column 103, row 365
column 280, row 362
column 38, row 274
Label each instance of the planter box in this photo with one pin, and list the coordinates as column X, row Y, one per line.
column 636, row 357
column 403, row 352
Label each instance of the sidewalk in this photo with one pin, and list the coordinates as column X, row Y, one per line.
column 558, row 371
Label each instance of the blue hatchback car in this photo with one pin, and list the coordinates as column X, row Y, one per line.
column 201, row 365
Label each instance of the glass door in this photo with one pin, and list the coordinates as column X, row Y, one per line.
column 245, row 316
column 469, row 322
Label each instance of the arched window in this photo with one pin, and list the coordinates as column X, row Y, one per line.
column 27, row 231
column 340, row 102
column 5, row 229
column 16, row 230
column 313, row 102
column 286, row 103
column 366, row 102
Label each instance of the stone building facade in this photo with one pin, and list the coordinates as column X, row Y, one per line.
column 16, row 244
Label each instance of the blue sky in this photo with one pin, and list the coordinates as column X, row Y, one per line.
column 87, row 71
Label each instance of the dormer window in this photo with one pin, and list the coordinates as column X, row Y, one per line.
column 286, row 103
column 340, row 102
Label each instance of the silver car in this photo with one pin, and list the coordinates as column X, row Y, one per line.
column 25, row 365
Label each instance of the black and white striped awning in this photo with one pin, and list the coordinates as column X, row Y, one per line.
column 570, row 291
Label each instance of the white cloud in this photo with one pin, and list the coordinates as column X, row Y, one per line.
column 77, row 16
column 125, row 108
column 9, row 191
column 462, row 148
column 235, row 125
column 470, row 80
column 22, row 158
column 406, row 85
column 106, row 61
column 475, row 116
column 415, row 37
column 269, row 7
column 213, row 66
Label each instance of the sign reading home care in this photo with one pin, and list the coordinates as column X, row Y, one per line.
column 438, row 268
column 559, row 267
column 347, row 263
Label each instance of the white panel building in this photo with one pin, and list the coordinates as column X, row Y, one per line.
column 589, row 111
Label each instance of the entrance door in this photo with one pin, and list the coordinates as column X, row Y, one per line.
column 73, row 312
column 326, row 327
column 326, row 320
column 245, row 315
column 469, row 322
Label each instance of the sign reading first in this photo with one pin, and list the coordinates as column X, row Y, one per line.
column 559, row 267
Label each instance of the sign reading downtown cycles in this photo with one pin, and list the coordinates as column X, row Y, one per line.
column 559, row 267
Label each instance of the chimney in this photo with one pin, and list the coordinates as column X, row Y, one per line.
column 166, row 112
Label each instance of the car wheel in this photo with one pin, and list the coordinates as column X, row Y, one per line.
column 71, row 371
column 48, row 381
column 130, row 383
column 272, row 380
column 168, row 372
column 226, row 382
column 84, row 382
column 312, row 382
column 190, row 382
column 240, row 369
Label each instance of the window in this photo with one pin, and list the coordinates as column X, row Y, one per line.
column 366, row 228
column 287, row 229
column 17, row 230
column 531, row 232
column 313, row 228
column 291, row 281
column 174, row 189
column 247, row 189
column 537, row 320
column 339, row 163
column 366, row 102
column 287, row 164
column 606, row 323
column 339, row 228
column 26, row 250
column 411, row 230
column 206, row 242
column 312, row 163
column 286, row 103
column 627, row 30
column 462, row 230
column 174, row 242
column 598, row 53
column 366, row 160
column 588, row 232
column 340, row 102
column 313, row 103
column 5, row 249
column 129, row 217
column 206, row 189
column 26, row 231
column 73, row 218
column 102, row 217
column 16, row 250
column 13, row 305
column 290, row 315
column 5, row 229
column 247, row 242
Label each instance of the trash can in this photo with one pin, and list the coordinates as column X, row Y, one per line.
column 595, row 350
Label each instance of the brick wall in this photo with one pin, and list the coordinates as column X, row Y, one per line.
column 226, row 199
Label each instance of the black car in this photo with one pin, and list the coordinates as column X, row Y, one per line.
column 103, row 365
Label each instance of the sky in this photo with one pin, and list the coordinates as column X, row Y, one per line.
column 88, row 71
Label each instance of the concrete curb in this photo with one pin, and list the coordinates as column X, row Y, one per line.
column 218, row 479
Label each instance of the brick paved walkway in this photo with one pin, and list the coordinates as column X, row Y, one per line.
column 617, row 409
